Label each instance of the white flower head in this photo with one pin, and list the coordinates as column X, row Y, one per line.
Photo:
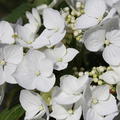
column 94, row 12
column 70, row 90
column 60, row 56
column 106, row 41
column 35, row 72
column 6, row 33
column 67, row 112
column 100, row 101
column 33, row 104
column 10, row 57
column 31, row 39
column 55, row 26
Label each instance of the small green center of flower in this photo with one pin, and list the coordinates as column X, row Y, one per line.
column 100, row 18
column 15, row 36
column 106, row 42
column 95, row 101
column 41, row 108
column 59, row 60
column 70, row 111
column 2, row 62
column 37, row 73
column 29, row 42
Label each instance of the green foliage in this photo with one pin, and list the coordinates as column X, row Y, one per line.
column 26, row 6
column 39, row 2
column 12, row 114
column 18, row 12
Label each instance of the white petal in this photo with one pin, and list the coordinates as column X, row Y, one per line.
column 6, row 33
column 66, row 99
column 106, row 107
column 114, row 37
column 46, row 67
column 67, row 82
column 24, row 74
column 111, row 116
column 59, row 112
column 56, row 53
column 53, row 19
column 111, row 55
column 70, row 54
column 110, row 77
column 92, row 115
column 36, row 15
column 13, row 54
column 22, row 30
column 55, row 37
column 95, row 8
column 40, row 41
column 77, row 114
column 101, row 92
column 31, row 102
column 9, row 69
column 94, row 41
column 50, row 38
column 45, row 84
column 83, row 82
column 84, row 22
column 60, row 66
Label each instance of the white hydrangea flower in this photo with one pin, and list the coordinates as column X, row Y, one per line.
column 94, row 12
column 60, row 56
column 55, row 26
column 31, row 39
column 68, row 112
column 70, row 90
column 10, row 57
column 6, row 33
column 34, row 105
column 99, row 104
column 35, row 72
column 106, row 41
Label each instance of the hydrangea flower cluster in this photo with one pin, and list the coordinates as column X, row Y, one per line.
column 31, row 53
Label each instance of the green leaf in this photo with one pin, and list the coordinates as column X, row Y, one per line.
column 39, row 2
column 18, row 12
column 13, row 114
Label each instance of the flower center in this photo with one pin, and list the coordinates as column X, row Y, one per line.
column 37, row 73
column 100, row 18
column 95, row 101
column 59, row 60
column 15, row 36
column 106, row 42
column 29, row 42
column 70, row 111
column 41, row 108
column 2, row 62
